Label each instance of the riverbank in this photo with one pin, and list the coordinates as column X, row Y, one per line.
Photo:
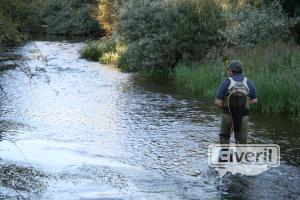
column 273, row 68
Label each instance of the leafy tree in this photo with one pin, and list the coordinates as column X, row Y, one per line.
column 160, row 34
column 75, row 17
column 14, row 21
column 248, row 26
column 293, row 9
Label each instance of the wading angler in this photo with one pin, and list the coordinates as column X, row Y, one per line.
column 234, row 96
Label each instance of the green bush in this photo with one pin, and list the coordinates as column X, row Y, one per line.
column 248, row 26
column 75, row 17
column 91, row 50
column 107, row 51
column 159, row 34
column 14, row 22
column 10, row 33
column 114, row 56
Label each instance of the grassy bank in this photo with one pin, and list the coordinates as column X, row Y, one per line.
column 107, row 51
column 274, row 69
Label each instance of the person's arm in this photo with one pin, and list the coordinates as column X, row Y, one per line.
column 218, row 103
column 253, row 101
column 252, row 92
column 221, row 93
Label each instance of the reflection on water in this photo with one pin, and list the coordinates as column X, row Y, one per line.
column 101, row 134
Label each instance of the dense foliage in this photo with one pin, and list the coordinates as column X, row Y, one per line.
column 71, row 17
column 14, row 21
column 248, row 25
column 107, row 51
column 161, row 34
column 20, row 18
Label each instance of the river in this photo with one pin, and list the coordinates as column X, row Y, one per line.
column 75, row 129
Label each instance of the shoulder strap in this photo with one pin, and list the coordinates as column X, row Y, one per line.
column 232, row 83
column 245, row 83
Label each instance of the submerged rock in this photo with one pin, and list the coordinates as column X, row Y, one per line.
column 19, row 182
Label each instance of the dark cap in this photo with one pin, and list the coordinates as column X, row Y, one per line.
column 236, row 66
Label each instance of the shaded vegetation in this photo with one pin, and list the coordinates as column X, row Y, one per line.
column 14, row 22
column 73, row 17
column 18, row 19
column 165, row 33
column 249, row 26
column 159, row 34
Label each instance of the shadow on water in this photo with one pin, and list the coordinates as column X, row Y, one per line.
column 58, row 38
column 278, row 130
column 268, row 185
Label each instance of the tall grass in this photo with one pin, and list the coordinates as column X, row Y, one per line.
column 200, row 78
column 274, row 69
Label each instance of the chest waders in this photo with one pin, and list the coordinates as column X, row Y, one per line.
column 236, row 105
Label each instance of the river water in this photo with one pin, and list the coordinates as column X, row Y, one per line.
column 75, row 129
